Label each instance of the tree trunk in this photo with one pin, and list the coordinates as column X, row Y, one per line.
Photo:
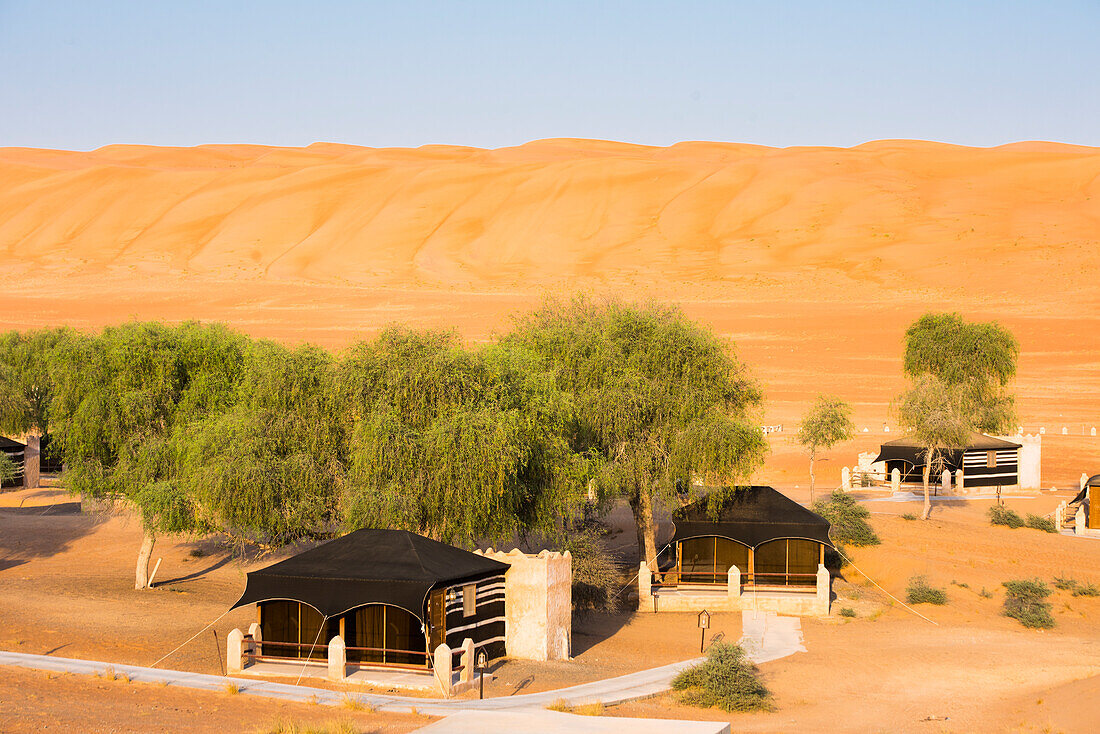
column 811, row 478
column 927, row 499
column 141, row 580
column 643, row 519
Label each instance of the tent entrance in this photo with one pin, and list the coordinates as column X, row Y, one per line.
column 381, row 634
column 290, row 629
column 783, row 562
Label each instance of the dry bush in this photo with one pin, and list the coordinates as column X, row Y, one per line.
column 920, row 592
column 1024, row 602
column 726, row 679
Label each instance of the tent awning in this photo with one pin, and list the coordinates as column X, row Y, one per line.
column 368, row 566
column 751, row 515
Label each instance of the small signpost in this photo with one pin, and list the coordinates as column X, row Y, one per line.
column 481, row 663
column 704, row 624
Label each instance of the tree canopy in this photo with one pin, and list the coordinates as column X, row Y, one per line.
column 827, row 423
column 454, row 443
column 658, row 401
column 977, row 358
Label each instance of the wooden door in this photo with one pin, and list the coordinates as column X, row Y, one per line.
column 437, row 619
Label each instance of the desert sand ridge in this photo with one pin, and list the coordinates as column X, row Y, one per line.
column 559, row 209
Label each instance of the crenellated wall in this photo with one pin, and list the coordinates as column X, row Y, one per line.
column 538, row 601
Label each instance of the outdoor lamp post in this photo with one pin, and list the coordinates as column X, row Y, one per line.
column 481, row 662
column 704, row 623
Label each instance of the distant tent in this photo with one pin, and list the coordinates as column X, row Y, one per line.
column 986, row 461
column 392, row 595
column 14, row 451
column 773, row 540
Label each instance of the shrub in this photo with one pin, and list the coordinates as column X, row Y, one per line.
column 596, row 580
column 1064, row 584
column 985, row 593
column 1087, row 590
column 726, row 679
column 1038, row 522
column 1001, row 515
column 1024, row 603
column 920, row 592
column 909, row 516
column 847, row 612
column 848, row 519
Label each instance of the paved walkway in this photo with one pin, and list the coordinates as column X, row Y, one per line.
column 767, row 637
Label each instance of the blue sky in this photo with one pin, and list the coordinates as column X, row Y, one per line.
column 84, row 74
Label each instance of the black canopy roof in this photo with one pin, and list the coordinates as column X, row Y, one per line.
column 1093, row 481
column 911, row 451
column 7, row 443
column 368, row 567
column 751, row 515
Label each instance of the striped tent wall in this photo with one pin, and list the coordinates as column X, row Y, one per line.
column 482, row 619
column 998, row 468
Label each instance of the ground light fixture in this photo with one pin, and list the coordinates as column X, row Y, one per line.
column 481, row 663
column 704, row 624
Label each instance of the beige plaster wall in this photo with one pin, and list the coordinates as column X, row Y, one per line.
column 538, row 603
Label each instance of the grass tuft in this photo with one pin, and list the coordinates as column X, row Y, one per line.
column 232, row 688
column 1087, row 590
column 1038, row 522
column 909, row 516
column 726, row 680
column 920, row 591
column 848, row 519
column 289, row 726
column 1064, row 584
column 1024, row 602
column 351, row 703
column 1002, row 515
column 847, row 612
column 985, row 593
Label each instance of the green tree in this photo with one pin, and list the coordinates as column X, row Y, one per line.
column 827, row 423
column 977, row 358
column 27, row 379
column 658, row 401
column 938, row 416
column 456, row 444
column 124, row 403
column 269, row 468
column 960, row 373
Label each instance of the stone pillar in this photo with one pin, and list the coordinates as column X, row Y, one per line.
column 1082, row 481
column 1093, row 432
column 257, row 638
column 945, row 481
column 337, row 659
column 960, row 483
column 895, row 480
column 1079, row 524
column 824, row 589
column 444, row 669
column 645, row 585
column 1060, row 515
column 1065, row 431
column 733, row 587
column 467, row 660
column 32, row 462
column 845, row 479
column 234, row 651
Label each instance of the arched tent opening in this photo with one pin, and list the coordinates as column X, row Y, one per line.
column 382, row 634
column 771, row 539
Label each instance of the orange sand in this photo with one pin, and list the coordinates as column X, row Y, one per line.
column 813, row 259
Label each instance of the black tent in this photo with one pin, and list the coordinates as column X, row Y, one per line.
column 907, row 456
column 751, row 516
column 367, row 566
column 1093, row 481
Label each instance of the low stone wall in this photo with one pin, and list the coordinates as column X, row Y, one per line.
column 813, row 602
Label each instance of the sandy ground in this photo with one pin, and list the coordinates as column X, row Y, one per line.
column 813, row 260
column 65, row 590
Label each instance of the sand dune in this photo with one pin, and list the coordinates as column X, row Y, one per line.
column 813, row 259
column 563, row 210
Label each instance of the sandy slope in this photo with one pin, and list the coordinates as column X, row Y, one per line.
column 813, row 259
